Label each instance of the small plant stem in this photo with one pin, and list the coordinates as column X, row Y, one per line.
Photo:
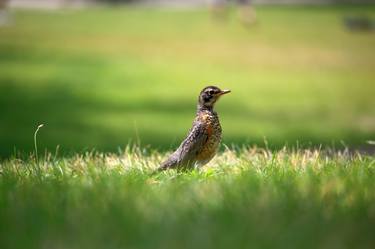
column 35, row 143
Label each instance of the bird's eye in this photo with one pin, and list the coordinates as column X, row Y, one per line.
column 211, row 92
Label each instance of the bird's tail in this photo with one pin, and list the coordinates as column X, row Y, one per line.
column 170, row 163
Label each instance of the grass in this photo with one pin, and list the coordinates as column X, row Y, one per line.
column 245, row 198
column 99, row 77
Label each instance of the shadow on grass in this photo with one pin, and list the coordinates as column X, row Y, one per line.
column 68, row 123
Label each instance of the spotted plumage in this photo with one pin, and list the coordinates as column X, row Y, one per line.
column 203, row 139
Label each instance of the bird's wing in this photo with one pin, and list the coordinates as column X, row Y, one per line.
column 185, row 155
column 193, row 144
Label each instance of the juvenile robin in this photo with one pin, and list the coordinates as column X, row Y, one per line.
column 203, row 139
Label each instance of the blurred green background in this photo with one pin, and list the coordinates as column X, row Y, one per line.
column 103, row 77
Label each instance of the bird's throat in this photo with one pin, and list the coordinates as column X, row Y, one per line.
column 201, row 107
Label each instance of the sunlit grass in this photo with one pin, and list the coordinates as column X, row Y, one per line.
column 300, row 198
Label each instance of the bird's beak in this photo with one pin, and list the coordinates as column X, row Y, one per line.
column 224, row 92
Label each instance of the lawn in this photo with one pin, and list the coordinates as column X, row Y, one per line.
column 105, row 77
column 249, row 198
column 102, row 79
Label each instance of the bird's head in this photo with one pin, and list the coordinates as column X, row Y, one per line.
column 209, row 95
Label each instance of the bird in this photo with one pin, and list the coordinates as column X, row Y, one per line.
column 203, row 138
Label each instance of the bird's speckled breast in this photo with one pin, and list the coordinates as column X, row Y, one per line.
column 213, row 130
